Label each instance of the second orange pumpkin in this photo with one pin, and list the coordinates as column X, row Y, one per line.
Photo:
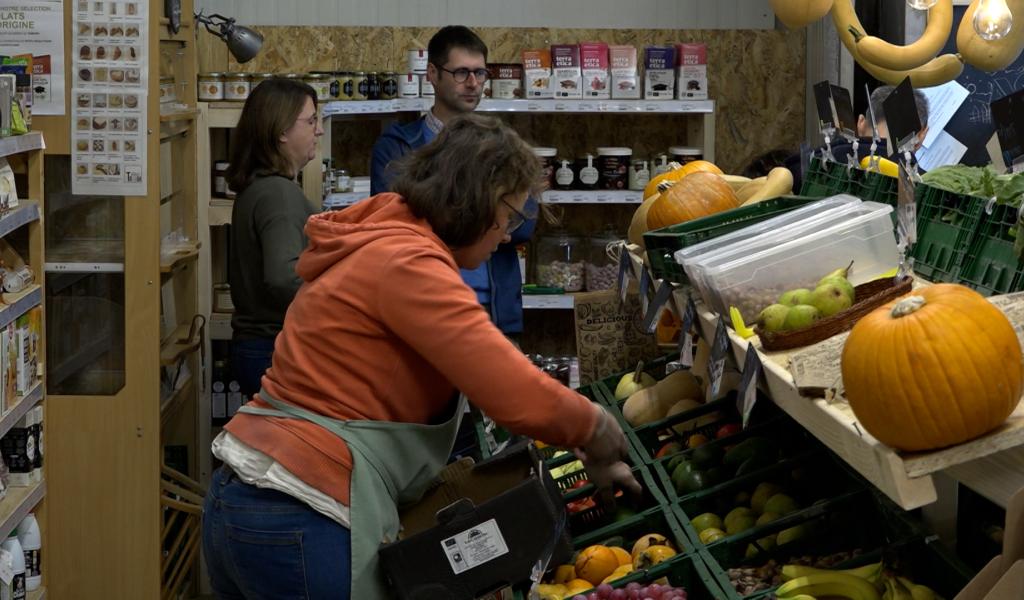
column 696, row 195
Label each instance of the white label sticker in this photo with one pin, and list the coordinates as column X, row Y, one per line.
column 475, row 546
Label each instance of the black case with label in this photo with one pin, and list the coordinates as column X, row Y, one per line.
column 527, row 510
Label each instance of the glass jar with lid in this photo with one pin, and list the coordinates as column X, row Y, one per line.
column 345, row 88
column 258, row 78
column 602, row 262
column 236, row 86
column 321, row 84
column 360, row 86
column 211, row 87
column 560, row 261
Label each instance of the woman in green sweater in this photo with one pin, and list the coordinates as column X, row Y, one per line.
column 274, row 139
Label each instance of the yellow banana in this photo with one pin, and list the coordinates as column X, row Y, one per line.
column 918, row 592
column 937, row 71
column 885, row 166
column 988, row 55
column 870, row 573
column 828, row 584
column 892, row 56
column 896, row 590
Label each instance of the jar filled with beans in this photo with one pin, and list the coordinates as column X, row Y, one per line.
column 560, row 261
column 602, row 264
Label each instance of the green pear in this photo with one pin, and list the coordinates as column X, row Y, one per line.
column 773, row 317
column 838, row 273
column 843, row 283
column 801, row 316
column 792, row 534
column 739, row 517
column 830, row 298
column 794, row 297
column 780, row 504
column 762, row 493
column 767, row 517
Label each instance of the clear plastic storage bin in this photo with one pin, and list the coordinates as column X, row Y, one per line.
column 763, row 239
column 753, row 281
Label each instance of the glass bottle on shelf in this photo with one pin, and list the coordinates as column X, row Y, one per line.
column 560, row 261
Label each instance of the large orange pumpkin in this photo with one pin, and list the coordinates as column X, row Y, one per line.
column 933, row 369
column 694, row 166
column 695, row 196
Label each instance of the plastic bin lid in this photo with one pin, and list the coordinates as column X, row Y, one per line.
column 773, row 224
column 867, row 212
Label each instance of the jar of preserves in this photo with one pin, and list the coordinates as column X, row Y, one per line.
column 167, row 93
column 236, row 86
column 614, row 167
column 560, row 261
column 346, row 90
column 639, row 174
column 211, row 87
column 547, row 157
column 360, row 86
column 602, row 269
column 373, row 85
column 388, row 85
column 685, row 154
column 321, row 84
column 257, row 78
column 409, row 85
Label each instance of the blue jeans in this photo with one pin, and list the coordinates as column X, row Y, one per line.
column 249, row 359
column 263, row 544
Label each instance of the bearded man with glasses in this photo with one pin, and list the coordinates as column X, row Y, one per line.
column 458, row 70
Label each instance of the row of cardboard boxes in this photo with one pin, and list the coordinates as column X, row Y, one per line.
column 708, row 484
column 961, row 239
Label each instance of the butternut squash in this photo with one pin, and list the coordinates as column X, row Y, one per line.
column 778, row 183
column 993, row 55
column 653, row 403
column 797, row 14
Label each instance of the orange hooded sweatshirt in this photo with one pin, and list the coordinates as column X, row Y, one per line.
column 384, row 329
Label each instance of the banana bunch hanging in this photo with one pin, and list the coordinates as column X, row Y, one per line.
column 892, row 63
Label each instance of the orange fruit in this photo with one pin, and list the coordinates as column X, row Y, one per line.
column 622, row 555
column 595, row 563
column 697, row 440
column 564, row 574
column 653, row 555
column 645, row 542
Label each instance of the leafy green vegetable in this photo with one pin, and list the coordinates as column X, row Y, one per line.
column 982, row 182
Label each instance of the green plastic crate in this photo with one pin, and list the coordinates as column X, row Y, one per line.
column 946, row 228
column 662, row 244
column 862, row 521
column 991, row 265
column 808, row 478
column 825, row 179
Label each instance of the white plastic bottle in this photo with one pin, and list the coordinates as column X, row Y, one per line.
column 31, row 544
column 12, row 545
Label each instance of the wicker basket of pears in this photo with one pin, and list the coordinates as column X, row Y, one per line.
column 805, row 316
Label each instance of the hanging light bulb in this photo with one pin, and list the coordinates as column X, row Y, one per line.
column 992, row 19
column 922, row 4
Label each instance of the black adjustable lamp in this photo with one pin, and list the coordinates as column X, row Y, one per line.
column 243, row 43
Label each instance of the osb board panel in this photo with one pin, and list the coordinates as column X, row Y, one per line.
column 756, row 76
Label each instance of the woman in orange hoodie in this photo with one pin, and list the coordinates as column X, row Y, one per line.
column 359, row 409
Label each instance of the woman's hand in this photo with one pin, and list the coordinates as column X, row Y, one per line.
column 603, row 455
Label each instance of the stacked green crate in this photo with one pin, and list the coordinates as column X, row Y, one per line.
column 991, row 264
column 946, row 228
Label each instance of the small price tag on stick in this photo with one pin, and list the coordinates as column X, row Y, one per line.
column 645, row 286
column 748, row 384
column 686, row 334
column 716, row 364
column 660, row 302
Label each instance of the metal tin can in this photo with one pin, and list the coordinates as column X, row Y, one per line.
column 236, row 86
column 211, row 87
column 409, row 85
column 360, row 86
column 388, row 85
